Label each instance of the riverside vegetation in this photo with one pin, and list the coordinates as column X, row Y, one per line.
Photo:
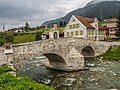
column 9, row 81
column 112, row 53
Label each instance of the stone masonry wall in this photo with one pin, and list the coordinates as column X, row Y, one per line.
column 61, row 47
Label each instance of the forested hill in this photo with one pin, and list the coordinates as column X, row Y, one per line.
column 100, row 10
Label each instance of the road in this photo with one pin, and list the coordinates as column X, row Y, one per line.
column 114, row 43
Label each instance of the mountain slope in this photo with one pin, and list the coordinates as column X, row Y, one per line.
column 97, row 1
column 100, row 10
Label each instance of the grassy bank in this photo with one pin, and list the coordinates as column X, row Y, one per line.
column 18, row 82
column 112, row 53
column 24, row 37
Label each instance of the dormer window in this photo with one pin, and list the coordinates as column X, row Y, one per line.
column 96, row 25
column 73, row 20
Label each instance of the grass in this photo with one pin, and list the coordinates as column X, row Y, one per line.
column 112, row 53
column 18, row 82
column 24, row 37
column 61, row 28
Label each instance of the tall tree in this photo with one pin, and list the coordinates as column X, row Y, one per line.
column 64, row 23
column 9, row 37
column 118, row 25
column 38, row 36
column 27, row 26
column 61, row 24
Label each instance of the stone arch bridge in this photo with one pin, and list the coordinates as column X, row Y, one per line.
column 63, row 54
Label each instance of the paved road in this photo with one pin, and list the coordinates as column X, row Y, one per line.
column 111, row 43
column 114, row 43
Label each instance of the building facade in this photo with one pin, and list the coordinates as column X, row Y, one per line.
column 53, row 34
column 83, row 27
column 112, row 29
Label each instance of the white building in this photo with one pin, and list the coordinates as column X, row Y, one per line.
column 52, row 34
column 83, row 27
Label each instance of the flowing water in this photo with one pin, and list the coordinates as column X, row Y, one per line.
column 102, row 75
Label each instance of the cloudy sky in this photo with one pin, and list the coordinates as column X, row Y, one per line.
column 14, row 13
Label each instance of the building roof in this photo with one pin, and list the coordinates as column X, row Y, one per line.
column 86, row 21
column 103, row 27
column 46, row 33
column 112, row 25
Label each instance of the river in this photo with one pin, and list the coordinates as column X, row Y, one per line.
column 102, row 75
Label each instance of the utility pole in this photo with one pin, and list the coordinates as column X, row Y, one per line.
column 101, row 17
column 3, row 27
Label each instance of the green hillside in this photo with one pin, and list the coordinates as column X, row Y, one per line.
column 24, row 37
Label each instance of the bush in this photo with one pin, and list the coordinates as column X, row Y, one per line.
column 19, row 82
column 112, row 53
column 4, row 69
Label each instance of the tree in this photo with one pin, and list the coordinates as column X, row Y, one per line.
column 64, row 23
column 27, row 26
column 118, row 25
column 38, row 36
column 9, row 37
column 61, row 24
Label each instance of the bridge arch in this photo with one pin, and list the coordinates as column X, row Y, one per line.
column 55, row 60
column 88, row 51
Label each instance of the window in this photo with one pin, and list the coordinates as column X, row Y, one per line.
column 76, row 33
column 74, row 25
column 88, row 32
column 92, row 38
column 81, row 32
column 71, row 33
column 96, row 32
column 99, row 33
column 96, row 25
column 73, row 20
column 70, row 26
column 92, row 32
column 67, row 34
column 102, row 32
column 78, row 25
column 55, row 35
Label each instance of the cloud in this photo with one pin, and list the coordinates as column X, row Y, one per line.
column 15, row 13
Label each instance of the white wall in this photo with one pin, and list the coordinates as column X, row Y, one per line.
column 82, row 27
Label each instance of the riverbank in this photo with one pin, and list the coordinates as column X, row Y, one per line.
column 113, row 53
column 12, row 81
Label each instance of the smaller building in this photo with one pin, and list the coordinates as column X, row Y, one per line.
column 52, row 34
column 54, row 25
column 111, row 19
column 43, row 27
column 105, row 29
column 112, row 30
column 45, row 35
